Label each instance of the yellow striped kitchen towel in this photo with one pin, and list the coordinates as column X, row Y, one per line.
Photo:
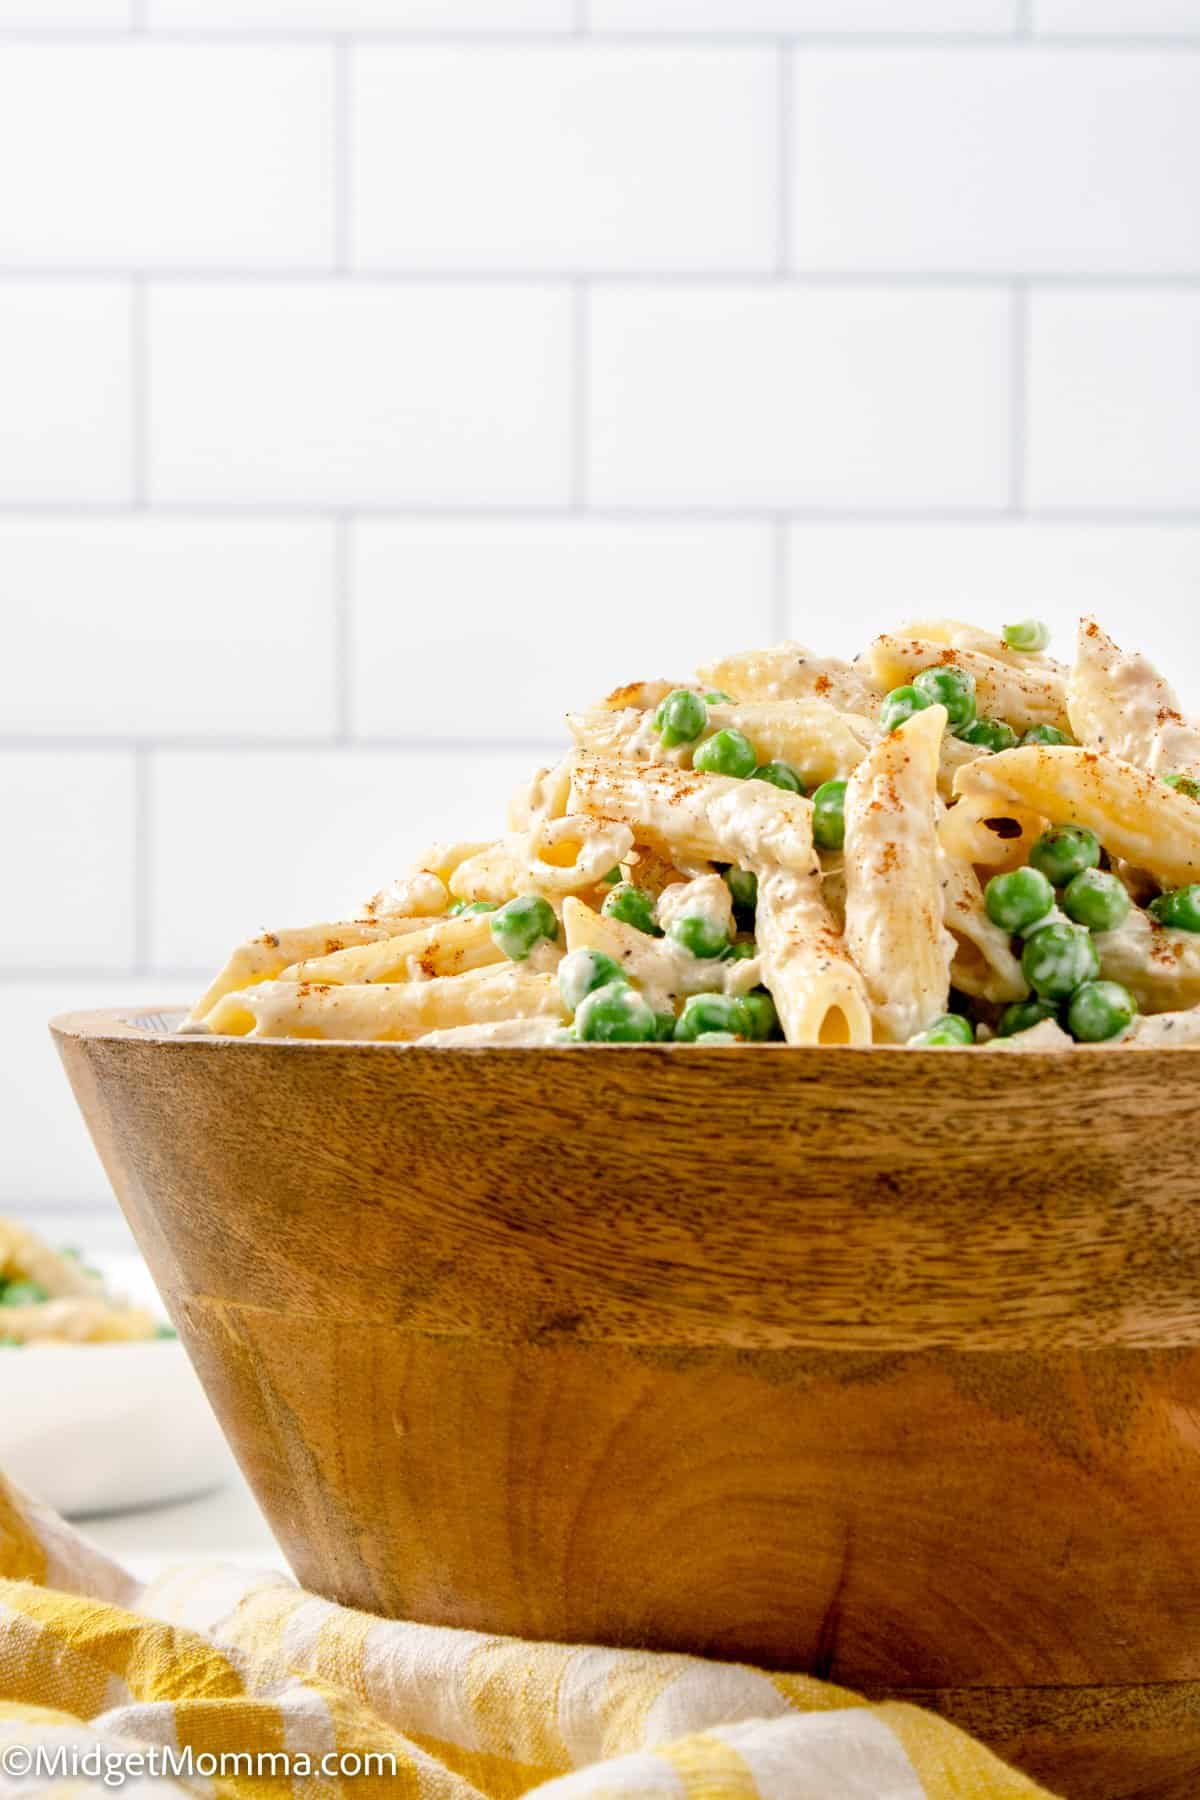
column 212, row 1681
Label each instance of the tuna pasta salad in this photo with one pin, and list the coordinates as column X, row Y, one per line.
column 51, row 1297
column 952, row 841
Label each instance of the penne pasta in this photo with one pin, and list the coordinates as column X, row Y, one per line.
column 984, row 964
column 386, row 1013
column 1164, row 1031
column 1135, row 815
column 790, row 672
column 1159, row 967
column 894, row 906
column 555, row 857
column 662, row 969
column 450, row 947
column 992, row 833
column 958, row 635
column 500, row 1032
column 819, row 742
column 1022, row 695
column 1119, row 703
column 685, row 814
column 785, row 845
column 1049, row 1035
column 819, row 994
column 264, row 957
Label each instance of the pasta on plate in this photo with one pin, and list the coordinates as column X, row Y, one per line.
column 50, row 1296
column 953, row 841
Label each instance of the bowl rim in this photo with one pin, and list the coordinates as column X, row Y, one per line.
column 122, row 1023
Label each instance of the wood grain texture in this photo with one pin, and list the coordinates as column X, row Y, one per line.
column 880, row 1365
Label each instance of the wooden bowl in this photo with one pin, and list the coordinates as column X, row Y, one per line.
column 880, row 1365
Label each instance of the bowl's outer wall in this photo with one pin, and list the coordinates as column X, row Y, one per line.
column 883, row 1367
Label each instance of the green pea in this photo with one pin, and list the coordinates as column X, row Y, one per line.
column 715, row 697
column 990, row 734
column 711, row 1012
column 1023, row 1015
column 664, row 1026
column 632, row 906
column 681, row 718
column 780, row 775
column 829, row 815
column 1018, row 900
column 715, row 1037
column 1096, row 899
column 1100, row 1010
column 521, row 925
column 742, row 951
column 462, row 907
column 1184, row 784
column 1179, row 909
column 948, row 1032
column 727, row 752
column 900, row 705
column 761, row 1017
column 582, row 971
column 165, row 1333
column 615, row 1014
column 613, row 876
column 952, row 688
column 743, row 886
column 1058, row 959
column 1046, row 734
column 1064, row 852
column 24, row 1293
column 1030, row 635
column 11, row 1343
column 703, row 937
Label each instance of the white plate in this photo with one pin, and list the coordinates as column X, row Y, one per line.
column 92, row 1428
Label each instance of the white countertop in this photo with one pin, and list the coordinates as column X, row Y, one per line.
column 224, row 1526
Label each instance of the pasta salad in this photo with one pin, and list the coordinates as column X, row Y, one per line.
column 952, row 841
column 50, row 1296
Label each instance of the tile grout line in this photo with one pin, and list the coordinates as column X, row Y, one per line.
column 302, row 513
column 341, row 155
column 1003, row 39
column 702, row 280
column 580, row 396
column 342, row 628
column 1018, row 424
column 784, row 101
column 232, row 744
column 142, row 860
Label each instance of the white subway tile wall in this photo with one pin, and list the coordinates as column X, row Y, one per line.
column 997, row 161
column 774, row 397
column 197, row 155
column 66, row 393
column 472, row 598
column 1118, row 18
column 1114, row 399
column 67, row 15
column 616, row 192
column 379, row 378
column 337, row 394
